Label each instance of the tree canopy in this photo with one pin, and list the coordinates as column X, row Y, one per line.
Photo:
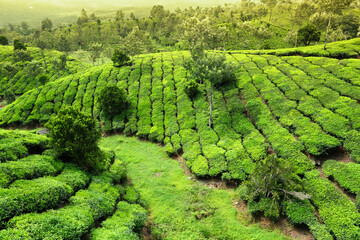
column 74, row 136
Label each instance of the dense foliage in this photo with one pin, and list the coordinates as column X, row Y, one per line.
column 300, row 107
column 112, row 100
column 248, row 24
column 272, row 181
column 74, row 135
column 43, row 198
column 4, row 40
column 119, row 58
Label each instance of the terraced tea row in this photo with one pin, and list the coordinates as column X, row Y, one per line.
column 50, row 199
column 23, row 80
column 340, row 49
column 300, row 120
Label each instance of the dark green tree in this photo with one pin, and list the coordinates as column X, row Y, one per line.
column 42, row 45
column 191, row 88
column 74, row 136
column 112, row 100
column 272, row 180
column 4, row 40
column 43, row 78
column 63, row 44
column 19, row 45
column 46, row 24
column 308, row 34
column 119, row 58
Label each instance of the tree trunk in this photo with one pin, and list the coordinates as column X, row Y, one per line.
column 327, row 31
column 296, row 41
column 211, row 103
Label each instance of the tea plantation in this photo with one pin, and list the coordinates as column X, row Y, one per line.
column 303, row 105
column 44, row 198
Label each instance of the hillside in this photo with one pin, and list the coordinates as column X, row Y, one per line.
column 43, row 197
column 22, row 81
column 305, row 109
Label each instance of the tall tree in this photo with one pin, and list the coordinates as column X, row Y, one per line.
column 332, row 7
column 212, row 69
column 95, row 52
column 46, row 24
column 134, row 43
column 83, row 17
column 270, row 4
column 202, row 32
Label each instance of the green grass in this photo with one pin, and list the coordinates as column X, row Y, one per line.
column 174, row 200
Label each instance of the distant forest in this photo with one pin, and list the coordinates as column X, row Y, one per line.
column 265, row 24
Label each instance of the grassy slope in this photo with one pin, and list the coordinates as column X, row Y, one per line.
column 165, row 188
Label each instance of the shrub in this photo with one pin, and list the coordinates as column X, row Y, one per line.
column 272, row 180
column 112, row 100
column 4, row 40
column 31, row 167
column 118, row 171
column 43, row 78
column 200, row 166
column 19, row 45
column 74, row 135
column 131, row 195
column 12, row 149
column 119, row 58
column 127, row 219
column 335, row 208
column 191, row 88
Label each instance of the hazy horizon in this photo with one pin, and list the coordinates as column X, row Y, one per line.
column 66, row 11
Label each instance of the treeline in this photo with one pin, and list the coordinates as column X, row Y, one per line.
column 249, row 24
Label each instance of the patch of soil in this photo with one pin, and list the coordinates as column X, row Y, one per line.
column 146, row 232
column 182, row 162
column 215, row 184
column 157, row 174
column 339, row 154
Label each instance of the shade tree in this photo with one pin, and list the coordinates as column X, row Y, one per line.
column 332, row 7
column 4, row 40
column 308, row 34
column 113, row 100
column 74, row 136
column 272, row 182
column 212, row 69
